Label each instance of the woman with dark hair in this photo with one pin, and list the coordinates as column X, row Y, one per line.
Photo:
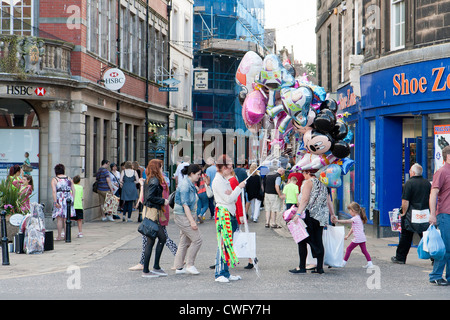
column 154, row 210
column 25, row 185
column 63, row 189
column 185, row 211
column 225, row 216
column 316, row 203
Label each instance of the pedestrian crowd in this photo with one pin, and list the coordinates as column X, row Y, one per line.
column 227, row 193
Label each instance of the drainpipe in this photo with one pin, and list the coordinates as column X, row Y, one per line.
column 147, row 52
column 118, row 101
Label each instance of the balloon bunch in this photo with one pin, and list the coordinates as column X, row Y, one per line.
column 272, row 98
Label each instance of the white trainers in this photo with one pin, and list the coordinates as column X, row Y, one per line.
column 110, row 218
column 222, row 279
column 234, row 278
column 180, row 271
column 192, row 270
column 368, row 265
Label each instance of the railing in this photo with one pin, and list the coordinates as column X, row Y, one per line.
column 27, row 55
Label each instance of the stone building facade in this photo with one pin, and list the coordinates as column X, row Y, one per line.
column 62, row 50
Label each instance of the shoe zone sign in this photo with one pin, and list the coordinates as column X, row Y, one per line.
column 412, row 83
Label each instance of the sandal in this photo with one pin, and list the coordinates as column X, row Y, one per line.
column 267, row 225
column 57, row 239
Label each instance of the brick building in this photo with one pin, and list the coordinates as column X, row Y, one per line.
column 54, row 102
column 387, row 62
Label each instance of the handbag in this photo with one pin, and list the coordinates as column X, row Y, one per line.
column 172, row 199
column 298, row 230
column 111, row 204
column 209, row 192
column 95, row 187
column 148, row 228
column 26, row 167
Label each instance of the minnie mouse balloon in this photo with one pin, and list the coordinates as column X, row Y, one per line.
column 330, row 176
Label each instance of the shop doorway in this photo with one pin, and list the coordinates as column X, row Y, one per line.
column 412, row 153
column 19, row 136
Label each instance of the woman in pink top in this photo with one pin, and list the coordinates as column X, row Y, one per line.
column 359, row 238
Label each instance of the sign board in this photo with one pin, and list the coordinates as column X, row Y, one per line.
column 201, row 80
column 168, row 89
column 441, row 140
column 114, row 79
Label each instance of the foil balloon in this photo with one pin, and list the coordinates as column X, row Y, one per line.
column 254, row 107
column 248, row 68
column 346, row 165
column 330, row 176
column 317, row 142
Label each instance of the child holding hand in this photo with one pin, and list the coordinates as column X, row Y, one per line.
column 358, row 220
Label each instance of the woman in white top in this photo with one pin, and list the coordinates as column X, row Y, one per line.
column 225, row 216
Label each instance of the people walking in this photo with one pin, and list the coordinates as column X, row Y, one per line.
column 440, row 217
column 202, row 203
column 357, row 221
column 225, row 217
column 318, row 208
column 104, row 187
column 129, row 179
column 255, row 192
column 415, row 200
column 185, row 218
column 153, row 205
column 62, row 190
column 273, row 197
column 211, row 174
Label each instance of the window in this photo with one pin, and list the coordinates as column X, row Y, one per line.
column 397, row 24
column 17, row 17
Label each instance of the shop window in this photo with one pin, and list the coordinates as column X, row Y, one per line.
column 397, row 24
column 15, row 113
column 17, row 17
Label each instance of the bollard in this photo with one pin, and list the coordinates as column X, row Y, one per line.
column 5, row 251
column 68, row 221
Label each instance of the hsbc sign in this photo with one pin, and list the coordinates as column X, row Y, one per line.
column 25, row 91
column 114, row 79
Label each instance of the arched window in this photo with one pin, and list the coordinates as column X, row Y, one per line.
column 16, row 113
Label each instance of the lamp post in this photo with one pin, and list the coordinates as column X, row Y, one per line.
column 5, row 252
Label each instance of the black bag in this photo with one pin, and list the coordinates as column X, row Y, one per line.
column 148, row 228
column 95, row 187
column 172, row 199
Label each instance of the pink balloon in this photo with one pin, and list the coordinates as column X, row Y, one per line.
column 254, row 108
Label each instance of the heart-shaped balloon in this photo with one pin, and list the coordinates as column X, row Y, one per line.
column 254, row 107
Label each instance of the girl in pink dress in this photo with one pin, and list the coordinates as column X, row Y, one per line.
column 358, row 220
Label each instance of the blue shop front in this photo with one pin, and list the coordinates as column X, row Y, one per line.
column 402, row 118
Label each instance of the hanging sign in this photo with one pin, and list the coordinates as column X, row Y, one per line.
column 441, row 140
column 114, row 79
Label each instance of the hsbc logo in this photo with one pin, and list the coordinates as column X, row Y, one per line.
column 25, row 91
column 114, row 74
column 40, row 92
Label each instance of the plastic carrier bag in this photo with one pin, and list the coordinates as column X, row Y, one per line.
column 333, row 243
column 35, row 230
column 435, row 244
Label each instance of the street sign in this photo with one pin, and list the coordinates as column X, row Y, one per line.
column 168, row 89
column 201, row 80
column 170, row 82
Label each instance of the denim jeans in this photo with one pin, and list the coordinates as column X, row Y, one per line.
column 221, row 266
column 443, row 223
column 202, row 204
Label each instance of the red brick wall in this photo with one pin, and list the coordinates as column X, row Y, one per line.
column 87, row 65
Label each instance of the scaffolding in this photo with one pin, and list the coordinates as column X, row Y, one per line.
column 223, row 32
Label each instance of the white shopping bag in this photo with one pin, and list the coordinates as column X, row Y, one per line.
column 333, row 243
column 244, row 244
